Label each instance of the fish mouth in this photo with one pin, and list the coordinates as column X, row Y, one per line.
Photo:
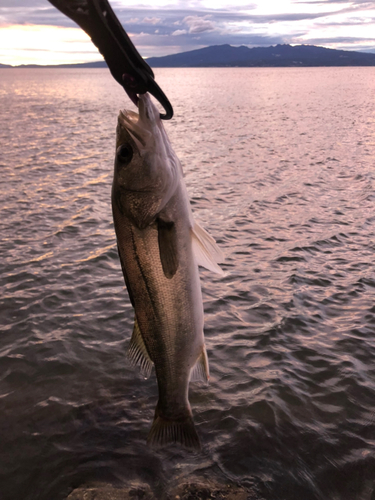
column 148, row 112
column 130, row 122
column 143, row 127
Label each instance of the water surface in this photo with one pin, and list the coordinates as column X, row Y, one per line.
column 279, row 164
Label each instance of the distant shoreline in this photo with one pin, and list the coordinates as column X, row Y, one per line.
column 227, row 56
column 88, row 66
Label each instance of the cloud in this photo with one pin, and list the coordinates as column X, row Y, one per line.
column 331, row 2
column 198, row 24
column 204, row 20
column 179, row 32
column 340, row 40
column 151, row 20
column 34, row 15
column 353, row 21
column 198, row 20
column 22, row 3
column 181, row 26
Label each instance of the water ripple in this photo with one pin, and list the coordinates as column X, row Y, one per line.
column 282, row 176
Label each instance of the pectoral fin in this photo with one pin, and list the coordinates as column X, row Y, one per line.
column 167, row 238
column 206, row 251
column 138, row 354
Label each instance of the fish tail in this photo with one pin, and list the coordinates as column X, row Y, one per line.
column 168, row 431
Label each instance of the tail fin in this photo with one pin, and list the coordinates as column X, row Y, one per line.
column 165, row 431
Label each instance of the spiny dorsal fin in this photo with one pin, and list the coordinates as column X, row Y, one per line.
column 167, row 238
column 206, row 251
column 201, row 370
column 137, row 352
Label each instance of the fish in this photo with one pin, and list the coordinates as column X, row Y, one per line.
column 160, row 248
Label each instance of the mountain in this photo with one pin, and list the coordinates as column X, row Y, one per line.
column 278, row 56
column 227, row 56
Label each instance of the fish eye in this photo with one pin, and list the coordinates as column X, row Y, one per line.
column 124, row 153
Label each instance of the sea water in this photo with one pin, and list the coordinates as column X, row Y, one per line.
column 280, row 168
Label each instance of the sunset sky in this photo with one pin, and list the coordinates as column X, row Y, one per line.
column 33, row 31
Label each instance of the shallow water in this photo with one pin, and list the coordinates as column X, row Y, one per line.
column 279, row 165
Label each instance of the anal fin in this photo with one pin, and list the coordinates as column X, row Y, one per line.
column 201, row 371
column 137, row 352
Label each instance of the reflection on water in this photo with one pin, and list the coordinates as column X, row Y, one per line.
column 279, row 167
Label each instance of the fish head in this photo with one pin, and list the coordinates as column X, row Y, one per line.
column 147, row 171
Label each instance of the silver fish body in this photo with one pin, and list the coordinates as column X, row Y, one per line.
column 158, row 244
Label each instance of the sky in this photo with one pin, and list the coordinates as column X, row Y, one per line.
column 35, row 32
